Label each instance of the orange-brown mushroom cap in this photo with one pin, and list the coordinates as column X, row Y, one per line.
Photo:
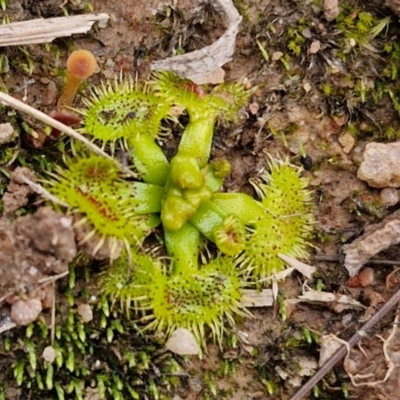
column 81, row 63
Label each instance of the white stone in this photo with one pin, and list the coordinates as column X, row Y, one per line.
column 6, row 133
column 182, row 342
column 381, row 165
column 49, row 354
column 86, row 312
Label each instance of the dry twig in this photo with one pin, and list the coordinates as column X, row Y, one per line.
column 23, row 107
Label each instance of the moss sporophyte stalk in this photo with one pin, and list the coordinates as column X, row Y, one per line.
column 187, row 286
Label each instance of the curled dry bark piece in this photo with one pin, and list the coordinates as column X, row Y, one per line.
column 376, row 238
column 46, row 30
column 200, row 63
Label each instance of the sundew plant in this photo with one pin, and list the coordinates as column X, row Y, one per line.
column 214, row 243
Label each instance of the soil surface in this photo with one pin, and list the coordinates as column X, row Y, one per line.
column 327, row 86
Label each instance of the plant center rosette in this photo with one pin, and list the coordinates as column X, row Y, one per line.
column 215, row 242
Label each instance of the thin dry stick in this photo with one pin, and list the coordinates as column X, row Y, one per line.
column 53, row 315
column 326, row 368
column 376, row 261
column 21, row 106
column 53, row 278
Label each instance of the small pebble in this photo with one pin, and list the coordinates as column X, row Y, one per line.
column 253, row 108
column 182, row 342
column 86, row 312
column 347, row 142
column 380, row 167
column 6, row 133
column 24, row 312
column 346, row 319
column 366, row 277
column 389, row 197
column 307, row 33
column 276, row 55
column 331, row 9
column 307, row 87
column 315, row 47
column 49, row 354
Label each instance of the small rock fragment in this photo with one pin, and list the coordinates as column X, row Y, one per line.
column 347, row 141
column 23, row 312
column 306, row 33
column 389, row 197
column 276, row 55
column 366, row 277
column 331, row 9
column 6, row 133
column 182, row 342
column 381, row 165
column 394, row 5
column 253, row 108
column 315, row 47
column 86, row 312
column 307, row 87
column 306, row 365
column 49, row 354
